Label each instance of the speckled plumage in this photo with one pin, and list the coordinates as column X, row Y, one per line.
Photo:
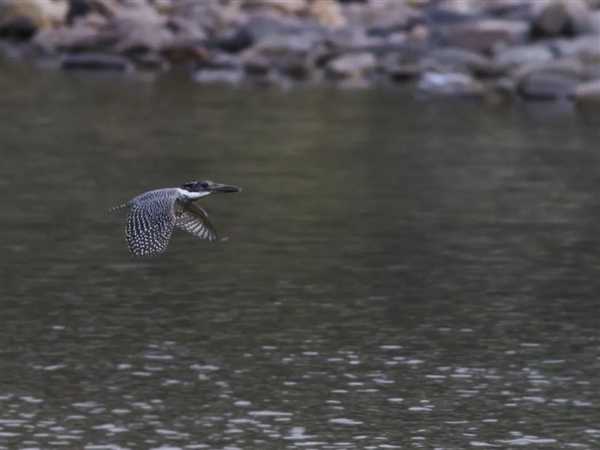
column 154, row 214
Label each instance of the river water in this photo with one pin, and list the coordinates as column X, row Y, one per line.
column 396, row 273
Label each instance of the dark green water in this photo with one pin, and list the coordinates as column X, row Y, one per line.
column 397, row 274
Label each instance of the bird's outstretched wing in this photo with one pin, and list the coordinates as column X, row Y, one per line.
column 194, row 220
column 150, row 224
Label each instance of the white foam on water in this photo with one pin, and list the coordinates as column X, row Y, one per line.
column 267, row 413
column 166, row 447
column 54, row 367
column 297, row 434
column 111, row 428
column 242, row 403
column 12, row 422
column 30, row 399
column 529, row 440
column 104, row 447
column 204, row 367
column 390, row 347
column 158, row 357
column 345, row 421
column 420, row 408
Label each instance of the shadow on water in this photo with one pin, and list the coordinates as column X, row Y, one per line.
column 398, row 274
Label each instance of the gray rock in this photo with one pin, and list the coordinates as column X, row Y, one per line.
column 381, row 17
column 588, row 93
column 450, row 84
column 485, row 35
column 352, row 65
column 139, row 36
column 586, row 48
column 512, row 57
column 95, row 62
column 556, row 17
column 542, row 86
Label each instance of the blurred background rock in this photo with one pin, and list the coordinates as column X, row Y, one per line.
column 527, row 49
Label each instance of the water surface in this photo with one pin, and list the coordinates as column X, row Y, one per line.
column 395, row 274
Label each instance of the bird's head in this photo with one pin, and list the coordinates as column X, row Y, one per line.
column 197, row 189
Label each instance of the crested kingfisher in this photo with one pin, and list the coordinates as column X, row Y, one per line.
column 154, row 214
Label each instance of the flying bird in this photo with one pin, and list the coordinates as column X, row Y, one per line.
column 154, row 214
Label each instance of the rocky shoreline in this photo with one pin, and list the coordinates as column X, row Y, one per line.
column 525, row 49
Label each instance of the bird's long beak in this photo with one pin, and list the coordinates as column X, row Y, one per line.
column 225, row 188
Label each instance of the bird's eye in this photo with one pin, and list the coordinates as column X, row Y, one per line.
column 205, row 185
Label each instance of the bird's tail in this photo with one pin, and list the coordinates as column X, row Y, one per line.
column 118, row 207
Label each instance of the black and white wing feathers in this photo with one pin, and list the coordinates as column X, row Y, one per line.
column 194, row 220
